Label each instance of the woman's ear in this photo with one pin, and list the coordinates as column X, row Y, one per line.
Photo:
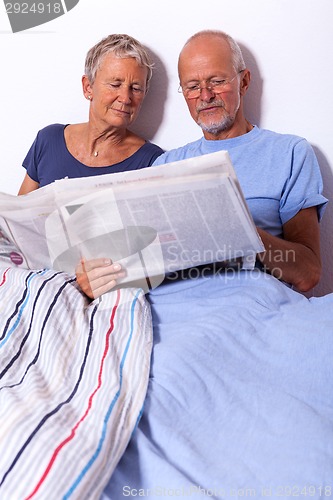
column 86, row 87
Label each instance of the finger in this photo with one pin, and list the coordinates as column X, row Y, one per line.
column 88, row 265
column 93, row 288
column 104, row 289
column 107, row 274
column 97, row 287
column 94, row 281
column 103, row 279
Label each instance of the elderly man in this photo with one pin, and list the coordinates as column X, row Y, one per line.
column 279, row 173
column 224, row 379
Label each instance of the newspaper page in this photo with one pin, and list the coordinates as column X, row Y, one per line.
column 153, row 221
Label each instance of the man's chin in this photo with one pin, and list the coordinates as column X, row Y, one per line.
column 215, row 128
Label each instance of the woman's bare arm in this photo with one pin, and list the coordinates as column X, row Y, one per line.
column 28, row 185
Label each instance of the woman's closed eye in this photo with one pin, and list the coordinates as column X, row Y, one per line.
column 135, row 88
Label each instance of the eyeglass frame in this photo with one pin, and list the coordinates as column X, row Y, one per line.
column 210, row 87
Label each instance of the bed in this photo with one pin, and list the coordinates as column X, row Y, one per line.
column 240, row 396
column 217, row 386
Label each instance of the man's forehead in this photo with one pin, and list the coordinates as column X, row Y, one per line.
column 205, row 60
column 209, row 42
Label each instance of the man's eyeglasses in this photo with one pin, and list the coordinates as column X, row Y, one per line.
column 215, row 85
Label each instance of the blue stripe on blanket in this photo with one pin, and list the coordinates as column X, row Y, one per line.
column 20, row 310
column 23, row 301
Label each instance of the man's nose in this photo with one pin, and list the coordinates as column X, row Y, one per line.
column 206, row 94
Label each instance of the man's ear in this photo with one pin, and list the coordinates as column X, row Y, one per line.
column 245, row 81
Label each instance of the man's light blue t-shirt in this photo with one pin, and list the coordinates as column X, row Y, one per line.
column 278, row 173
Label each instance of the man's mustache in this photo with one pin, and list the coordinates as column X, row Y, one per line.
column 214, row 104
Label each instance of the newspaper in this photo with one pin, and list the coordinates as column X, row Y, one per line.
column 153, row 221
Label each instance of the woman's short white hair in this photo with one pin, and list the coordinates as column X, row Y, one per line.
column 122, row 46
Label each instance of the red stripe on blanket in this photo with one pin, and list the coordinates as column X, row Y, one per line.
column 74, row 429
column 4, row 276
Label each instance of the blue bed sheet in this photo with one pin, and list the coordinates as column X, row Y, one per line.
column 240, row 397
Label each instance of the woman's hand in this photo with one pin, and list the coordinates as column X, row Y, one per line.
column 97, row 276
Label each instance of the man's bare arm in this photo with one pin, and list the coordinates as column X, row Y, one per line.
column 295, row 258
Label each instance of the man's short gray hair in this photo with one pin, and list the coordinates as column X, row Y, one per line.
column 122, row 46
column 237, row 56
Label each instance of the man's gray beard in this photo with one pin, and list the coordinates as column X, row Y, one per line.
column 221, row 126
column 216, row 128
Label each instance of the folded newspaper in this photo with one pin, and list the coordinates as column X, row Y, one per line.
column 154, row 221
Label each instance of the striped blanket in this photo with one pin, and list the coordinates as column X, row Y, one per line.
column 73, row 378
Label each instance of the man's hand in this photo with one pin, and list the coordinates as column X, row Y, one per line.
column 97, row 276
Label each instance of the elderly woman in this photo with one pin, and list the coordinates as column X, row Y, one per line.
column 117, row 75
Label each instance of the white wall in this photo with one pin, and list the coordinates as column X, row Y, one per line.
column 287, row 45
